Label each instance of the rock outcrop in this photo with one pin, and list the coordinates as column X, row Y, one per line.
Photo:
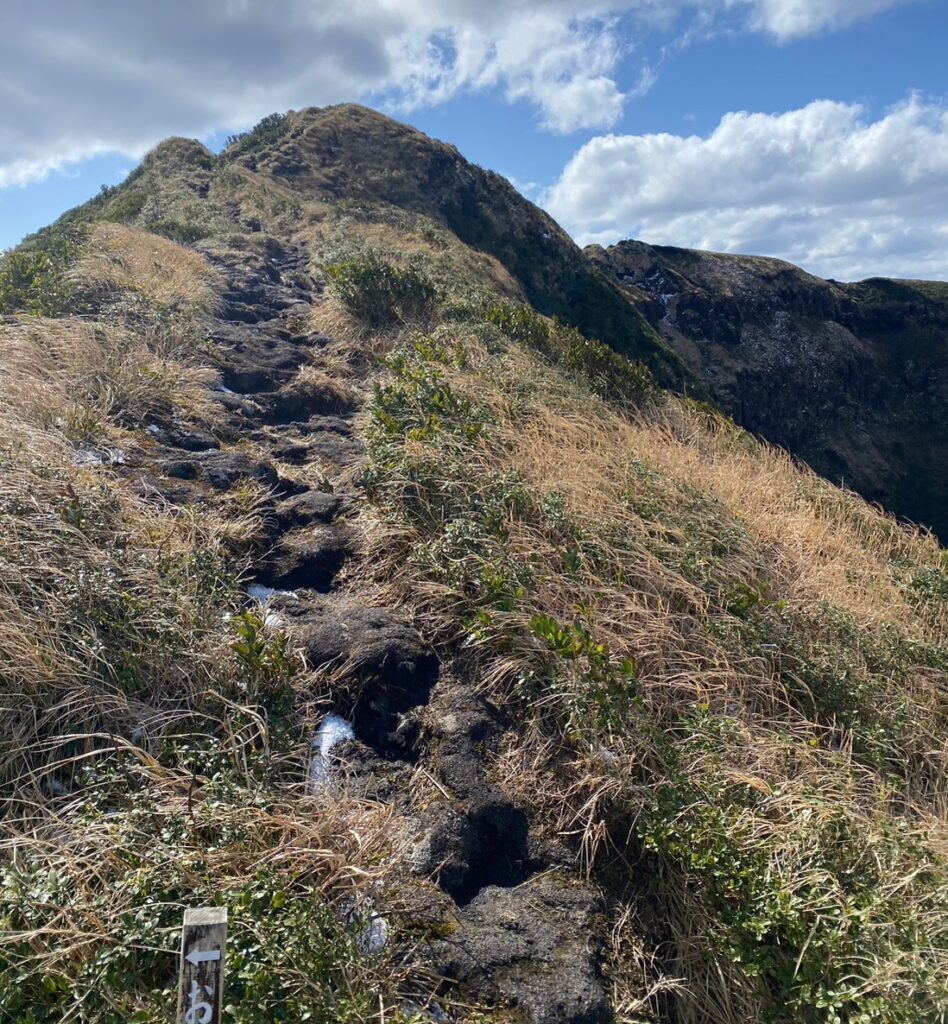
column 851, row 378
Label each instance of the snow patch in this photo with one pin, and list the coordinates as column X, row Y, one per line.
column 371, row 929
column 273, row 620
column 373, row 935
column 258, row 592
column 90, row 456
column 332, row 729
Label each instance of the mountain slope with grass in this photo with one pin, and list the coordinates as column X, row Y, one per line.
column 481, row 677
column 852, row 378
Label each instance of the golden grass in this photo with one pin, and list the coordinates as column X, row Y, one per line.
column 407, row 238
column 839, row 550
column 124, row 702
column 85, row 380
column 120, row 258
column 687, row 532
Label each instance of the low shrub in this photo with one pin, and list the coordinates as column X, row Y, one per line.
column 611, row 375
column 177, row 231
column 769, row 760
column 380, row 295
column 33, row 278
column 265, row 133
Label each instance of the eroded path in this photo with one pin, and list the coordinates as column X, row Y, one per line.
column 496, row 910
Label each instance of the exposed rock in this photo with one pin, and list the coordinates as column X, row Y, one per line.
column 532, row 946
column 310, row 507
column 189, row 440
column 308, row 558
column 297, row 403
column 224, row 469
column 482, row 839
column 389, row 668
column 853, row 378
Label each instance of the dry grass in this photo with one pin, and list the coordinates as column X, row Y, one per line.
column 87, row 380
column 148, row 761
column 789, row 718
column 120, row 258
column 353, row 229
column 820, row 544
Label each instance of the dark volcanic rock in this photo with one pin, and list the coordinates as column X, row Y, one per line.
column 482, row 839
column 308, row 559
column 308, row 508
column 224, row 469
column 852, row 378
column 533, row 947
column 389, row 668
column 297, row 404
column 189, row 440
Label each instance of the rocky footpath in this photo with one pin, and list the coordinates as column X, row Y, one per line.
column 503, row 919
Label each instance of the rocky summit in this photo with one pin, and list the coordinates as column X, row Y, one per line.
column 476, row 618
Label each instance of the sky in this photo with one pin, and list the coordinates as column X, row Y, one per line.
column 811, row 130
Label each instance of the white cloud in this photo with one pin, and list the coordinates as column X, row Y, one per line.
column 80, row 79
column 793, row 19
column 822, row 186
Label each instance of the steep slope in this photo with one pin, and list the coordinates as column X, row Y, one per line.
column 481, row 678
column 853, row 378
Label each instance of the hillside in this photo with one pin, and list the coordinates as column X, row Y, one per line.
column 480, row 676
column 852, row 378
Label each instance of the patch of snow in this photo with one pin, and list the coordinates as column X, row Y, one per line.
column 223, row 389
column 258, row 592
column 90, row 456
column 432, row 1012
column 332, row 729
column 153, row 429
column 263, row 596
column 371, row 929
column 373, row 935
column 273, row 620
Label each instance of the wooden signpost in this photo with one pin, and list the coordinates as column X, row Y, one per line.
column 201, row 977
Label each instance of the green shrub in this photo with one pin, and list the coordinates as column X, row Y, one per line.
column 380, row 295
column 33, row 278
column 177, row 231
column 125, row 207
column 611, row 375
column 266, row 132
column 785, row 859
column 112, row 931
column 840, row 922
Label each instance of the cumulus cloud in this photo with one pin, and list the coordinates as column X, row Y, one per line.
column 81, row 79
column 823, row 186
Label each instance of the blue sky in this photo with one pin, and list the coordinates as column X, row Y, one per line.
column 814, row 130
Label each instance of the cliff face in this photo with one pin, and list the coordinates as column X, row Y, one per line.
column 852, row 378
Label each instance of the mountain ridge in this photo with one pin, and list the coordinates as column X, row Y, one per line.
column 840, row 392
column 482, row 678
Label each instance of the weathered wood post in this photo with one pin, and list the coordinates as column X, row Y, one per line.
column 201, row 977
